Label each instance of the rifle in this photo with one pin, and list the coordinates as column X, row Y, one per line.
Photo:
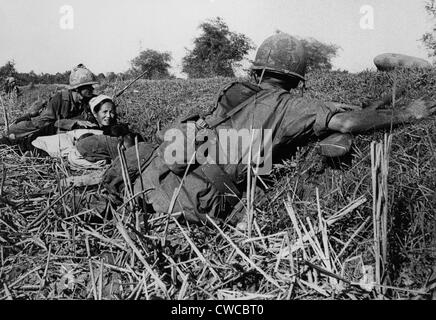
column 119, row 93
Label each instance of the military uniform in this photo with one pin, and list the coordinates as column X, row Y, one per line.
column 104, row 147
column 60, row 112
column 293, row 120
column 62, row 108
column 11, row 87
column 211, row 189
column 214, row 189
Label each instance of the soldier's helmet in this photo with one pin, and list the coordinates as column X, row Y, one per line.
column 282, row 56
column 81, row 76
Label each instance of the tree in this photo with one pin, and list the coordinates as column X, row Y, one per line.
column 429, row 38
column 8, row 70
column 101, row 77
column 111, row 76
column 154, row 62
column 319, row 54
column 32, row 77
column 216, row 51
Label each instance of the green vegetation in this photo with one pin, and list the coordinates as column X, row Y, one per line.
column 216, row 51
column 429, row 38
column 319, row 54
column 156, row 64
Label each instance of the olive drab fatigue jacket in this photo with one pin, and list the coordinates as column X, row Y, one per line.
column 61, row 107
column 291, row 119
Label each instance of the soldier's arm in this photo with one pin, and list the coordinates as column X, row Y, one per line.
column 70, row 124
column 50, row 114
column 364, row 120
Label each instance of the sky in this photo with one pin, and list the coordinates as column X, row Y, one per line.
column 55, row 35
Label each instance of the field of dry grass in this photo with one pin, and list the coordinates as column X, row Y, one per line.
column 363, row 228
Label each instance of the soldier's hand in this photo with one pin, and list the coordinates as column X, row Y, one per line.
column 21, row 119
column 420, row 108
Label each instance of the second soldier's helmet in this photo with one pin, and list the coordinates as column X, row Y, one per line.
column 283, row 56
column 81, row 76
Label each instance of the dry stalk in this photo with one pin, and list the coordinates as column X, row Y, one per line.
column 125, row 172
column 291, row 213
column 315, row 287
column 13, row 284
column 132, row 245
column 313, row 241
column 291, row 259
column 100, row 281
column 176, row 265
column 385, row 173
column 259, row 232
column 103, row 238
column 2, row 183
column 38, row 219
column 139, row 291
column 5, row 116
column 44, row 277
column 134, row 291
column 249, row 187
column 197, row 252
column 175, row 196
column 380, row 170
column 324, row 233
column 374, row 168
column 275, row 235
column 327, row 272
column 144, row 286
column 91, row 271
column 347, row 209
column 7, row 292
column 276, row 268
column 250, row 262
column 358, row 230
column 141, row 180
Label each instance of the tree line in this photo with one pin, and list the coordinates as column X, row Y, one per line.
column 217, row 51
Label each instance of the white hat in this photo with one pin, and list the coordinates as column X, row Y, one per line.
column 94, row 102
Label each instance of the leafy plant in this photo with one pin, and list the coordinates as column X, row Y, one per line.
column 216, row 51
column 156, row 64
column 429, row 38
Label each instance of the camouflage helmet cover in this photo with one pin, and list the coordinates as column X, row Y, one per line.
column 81, row 76
column 282, row 54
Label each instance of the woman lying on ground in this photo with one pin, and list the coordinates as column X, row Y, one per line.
column 95, row 141
column 95, row 148
column 102, row 115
